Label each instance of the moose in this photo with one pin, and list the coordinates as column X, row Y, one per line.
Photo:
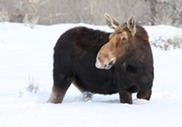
column 104, row 63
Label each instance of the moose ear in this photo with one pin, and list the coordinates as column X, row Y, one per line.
column 131, row 24
column 111, row 22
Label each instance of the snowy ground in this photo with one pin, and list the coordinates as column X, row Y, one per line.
column 26, row 60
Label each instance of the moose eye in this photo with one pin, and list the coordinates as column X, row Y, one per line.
column 124, row 39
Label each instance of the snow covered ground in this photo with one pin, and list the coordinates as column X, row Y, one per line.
column 26, row 60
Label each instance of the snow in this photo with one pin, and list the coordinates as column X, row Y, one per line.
column 26, row 59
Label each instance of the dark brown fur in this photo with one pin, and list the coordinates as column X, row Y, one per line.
column 74, row 62
column 131, row 58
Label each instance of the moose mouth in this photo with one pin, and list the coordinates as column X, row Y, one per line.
column 106, row 65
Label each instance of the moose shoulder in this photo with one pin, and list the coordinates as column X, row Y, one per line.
column 105, row 63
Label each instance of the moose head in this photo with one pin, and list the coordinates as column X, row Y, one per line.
column 120, row 42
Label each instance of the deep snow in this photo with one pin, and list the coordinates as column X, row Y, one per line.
column 26, row 58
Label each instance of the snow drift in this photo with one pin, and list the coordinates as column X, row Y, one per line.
column 26, row 81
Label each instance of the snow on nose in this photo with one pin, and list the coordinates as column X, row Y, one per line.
column 98, row 63
column 106, row 66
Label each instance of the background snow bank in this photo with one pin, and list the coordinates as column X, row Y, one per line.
column 26, row 59
column 165, row 37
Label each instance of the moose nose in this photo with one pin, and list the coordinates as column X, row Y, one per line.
column 108, row 65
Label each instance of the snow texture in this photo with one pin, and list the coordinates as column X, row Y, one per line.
column 26, row 81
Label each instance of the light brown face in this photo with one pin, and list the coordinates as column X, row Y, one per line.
column 119, row 42
column 113, row 50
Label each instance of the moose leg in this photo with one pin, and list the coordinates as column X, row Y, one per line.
column 87, row 96
column 145, row 89
column 61, row 84
column 144, row 94
column 125, row 97
column 57, row 95
column 145, row 85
